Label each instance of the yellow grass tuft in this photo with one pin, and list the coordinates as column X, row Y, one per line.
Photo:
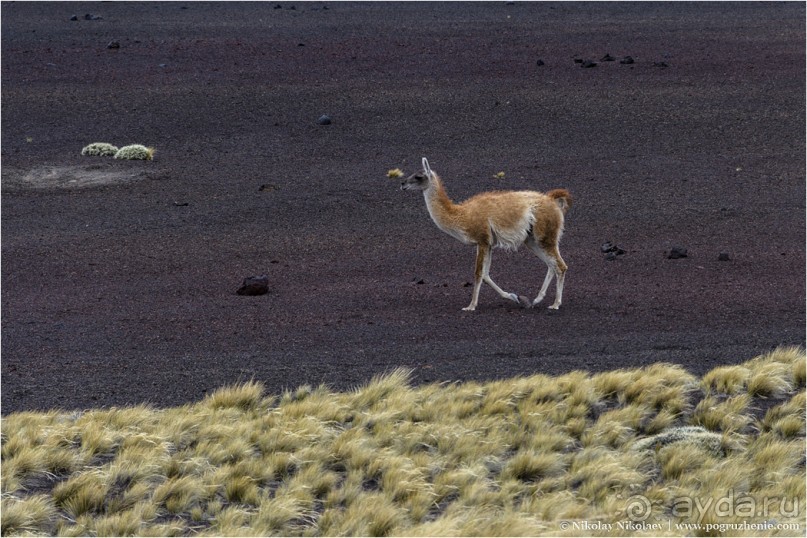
column 395, row 173
column 81, row 494
column 380, row 387
column 772, row 380
column 729, row 415
column 32, row 515
column 726, row 379
column 244, row 396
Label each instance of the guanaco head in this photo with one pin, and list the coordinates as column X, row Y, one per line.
column 419, row 181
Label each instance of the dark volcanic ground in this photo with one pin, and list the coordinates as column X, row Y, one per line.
column 119, row 278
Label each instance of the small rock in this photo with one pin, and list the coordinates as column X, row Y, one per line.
column 254, row 285
column 324, row 120
column 278, row 6
column 589, row 63
column 267, row 187
column 578, row 60
column 467, row 285
column 113, row 45
column 676, row 253
column 539, row 62
column 74, row 18
column 181, row 204
column 163, row 65
column 660, row 64
column 626, row 60
column 723, row 257
column 91, row 17
column 607, row 58
column 611, row 250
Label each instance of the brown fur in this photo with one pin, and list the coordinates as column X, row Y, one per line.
column 505, row 210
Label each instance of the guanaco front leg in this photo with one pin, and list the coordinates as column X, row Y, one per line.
column 486, row 277
column 482, row 274
column 482, row 252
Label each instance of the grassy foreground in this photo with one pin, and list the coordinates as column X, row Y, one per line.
column 652, row 451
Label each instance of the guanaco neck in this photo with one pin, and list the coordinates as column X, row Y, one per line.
column 442, row 210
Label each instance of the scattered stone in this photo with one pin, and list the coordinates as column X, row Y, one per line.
column 267, row 187
column 91, row 17
column 611, row 251
column 660, row 64
column 74, row 18
column 607, row 58
column 626, row 60
column 324, row 120
column 181, row 204
column 723, row 257
column 467, row 284
column 578, row 60
column 676, row 253
column 163, row 65
column 113, row 45
column 254, row 285
column 278, row 6
column 589, row 63
column 539, row 63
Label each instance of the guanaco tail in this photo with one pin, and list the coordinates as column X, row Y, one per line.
column 505, row 219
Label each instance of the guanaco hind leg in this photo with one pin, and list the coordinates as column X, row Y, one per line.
column 556, row 268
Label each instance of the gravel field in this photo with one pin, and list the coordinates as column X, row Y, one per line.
column 119, row 278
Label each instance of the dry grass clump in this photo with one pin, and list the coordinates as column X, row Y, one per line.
column 135, row 152
column 517, row 457
column 99, row 149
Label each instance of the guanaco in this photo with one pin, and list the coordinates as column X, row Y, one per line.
column 505, row 219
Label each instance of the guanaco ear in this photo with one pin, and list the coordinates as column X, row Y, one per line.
column 427, row 168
